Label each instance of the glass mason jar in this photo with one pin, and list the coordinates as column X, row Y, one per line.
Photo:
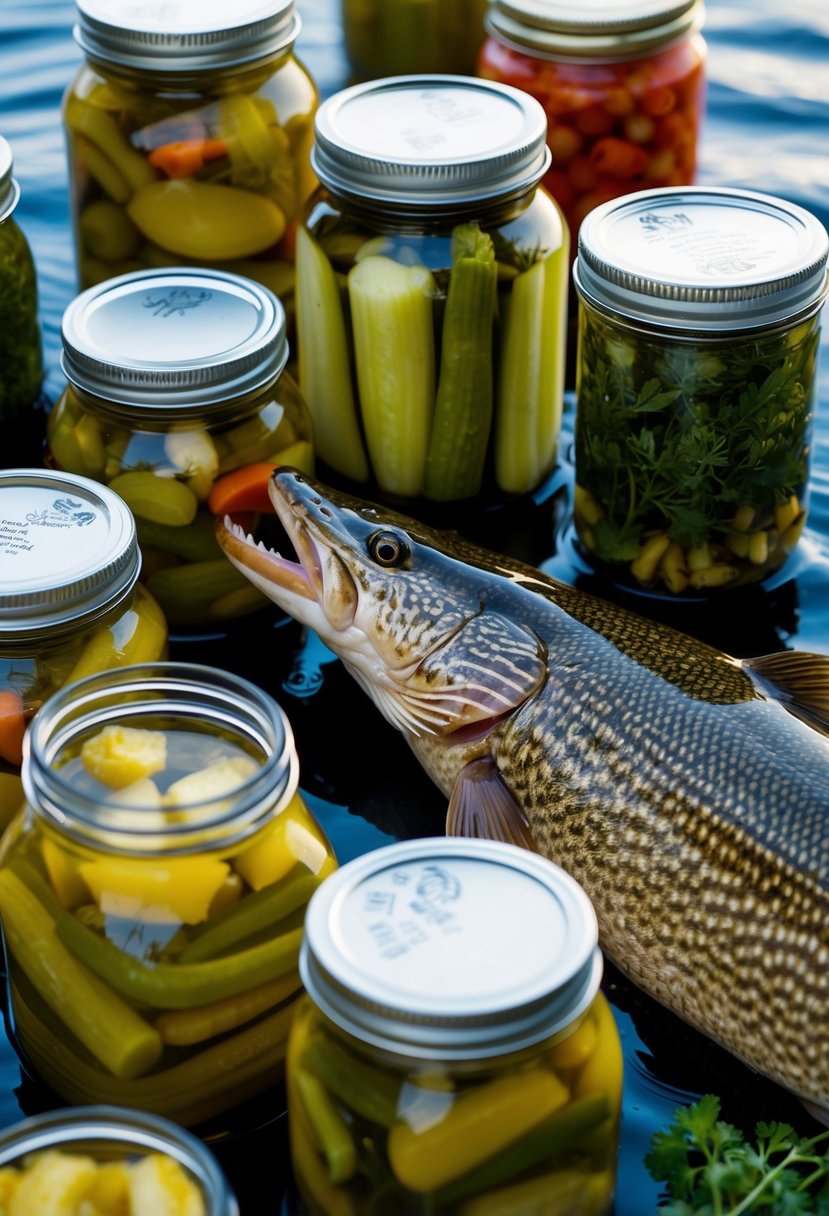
column 432, row 291
column 188, row 131
column 393, row 37
column 623, row 88
column 177, row 395
column 108, row 1160
column 698, row 341
column 21, row 358
column 153, row 890
column 453, row 1052
column 70, row 605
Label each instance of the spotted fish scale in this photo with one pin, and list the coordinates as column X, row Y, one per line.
column 686, row 790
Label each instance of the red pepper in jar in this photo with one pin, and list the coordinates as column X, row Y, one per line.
column 624, row 103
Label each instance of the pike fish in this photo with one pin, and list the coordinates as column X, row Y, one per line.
column 686, row 790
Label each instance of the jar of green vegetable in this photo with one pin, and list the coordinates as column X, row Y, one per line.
column 152, row 892
column 188, row 132
column 391, row 37
column 698, row 340
column 109, row 1161
column 431, row 301
column 70, row 605
column 178, row 399
column 21, row 360
column 453, row 1052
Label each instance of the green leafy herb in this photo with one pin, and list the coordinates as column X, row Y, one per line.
column 676, row 438
column 710, row 1168
column 20, row 348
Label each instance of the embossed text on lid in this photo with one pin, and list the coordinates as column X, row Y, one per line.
column 163, row 339
column 68, row 550
column 432, row 141
column 9, row 189
column 450, row 947
column 184, row 35
column 703, row 258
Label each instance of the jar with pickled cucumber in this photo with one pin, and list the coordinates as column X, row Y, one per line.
column 396, row 37
column 21, row 355
column 108, row 1161
column 698, row 340
column 153, row 890
column 188, row 131
column 453, row 1052
column 623, row 87
column 178, row 399
column 432, row 277
column 70, row 605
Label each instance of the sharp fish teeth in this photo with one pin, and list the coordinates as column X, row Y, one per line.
column 248, row 537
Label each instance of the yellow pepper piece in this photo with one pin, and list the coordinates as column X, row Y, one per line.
column 562, row 1193
column 482, row 1121
column 673, row 568
column 139, row 636
column 64, row 873
column 204, row 220
column 161, row 890
column 120, row 755
column 293, row 837
column 159, row 1186
column 299, row 455
column 577, row 1048
column 211, row 783
column 55, row 1185
column 9, row 1182
column 161, row 499
column 603, row 1071
column 644, row 566
column 109, row 1193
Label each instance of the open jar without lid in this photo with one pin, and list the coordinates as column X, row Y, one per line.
column 118, row 1155
column 188, row 132
column 177, row 380
column 70, row 605
column 153, row 890
column 622, row 85
column 453, row 1046
column 698, row 341
column 432, row 292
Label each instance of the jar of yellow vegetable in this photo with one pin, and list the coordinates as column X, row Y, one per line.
column 178, row 399
column 152, row 892
column 431, row 301
column 188, row 132
column 108, row 1161
column 70, row 605
column 453, row 1052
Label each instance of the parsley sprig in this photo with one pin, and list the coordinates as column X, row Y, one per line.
column 712, row 1170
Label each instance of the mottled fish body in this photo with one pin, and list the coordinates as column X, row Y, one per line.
column 687, row 791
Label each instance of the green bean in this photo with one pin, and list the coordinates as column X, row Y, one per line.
column 329, row 1126
column 179, row 985
column 195, row 543
column 366, row 1090
column 256, row 912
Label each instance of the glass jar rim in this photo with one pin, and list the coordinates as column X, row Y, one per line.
column 193, row 692
column 588, row 34
column 65, row 1127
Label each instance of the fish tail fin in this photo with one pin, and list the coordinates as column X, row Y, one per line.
column 482, row 806
column 799, row 680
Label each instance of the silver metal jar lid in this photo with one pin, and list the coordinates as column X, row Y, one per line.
column 592, row 29
column 430, row 141
column 702, row 259
column 450, row 949
column 106, row 1130
column 9, row 189
column 167, row 339
column 68, row 551
column 184, row 35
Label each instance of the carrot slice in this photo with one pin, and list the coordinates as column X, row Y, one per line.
column 244, row 489
column 12, row 726
column 184, row 157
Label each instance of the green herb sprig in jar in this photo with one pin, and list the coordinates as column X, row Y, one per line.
column 695, row 401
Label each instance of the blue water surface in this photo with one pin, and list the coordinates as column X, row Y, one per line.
column 767, row 129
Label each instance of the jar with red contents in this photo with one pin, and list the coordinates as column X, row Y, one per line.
column 622, row 83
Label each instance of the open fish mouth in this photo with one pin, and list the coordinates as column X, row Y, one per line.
column 302, row 578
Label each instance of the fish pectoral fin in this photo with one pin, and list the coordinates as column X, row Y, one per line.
column 481, row 805
column 799, row 680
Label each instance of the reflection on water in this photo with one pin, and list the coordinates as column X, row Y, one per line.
column 767, row 129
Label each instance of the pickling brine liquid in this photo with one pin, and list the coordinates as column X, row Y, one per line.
column 531, row 1132
column 158, row 977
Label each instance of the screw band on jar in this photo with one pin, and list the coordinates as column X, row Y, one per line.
column 699, row 323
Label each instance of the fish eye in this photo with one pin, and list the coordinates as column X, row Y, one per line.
column 388, row 549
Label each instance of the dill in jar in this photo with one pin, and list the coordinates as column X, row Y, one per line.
column 21, row 366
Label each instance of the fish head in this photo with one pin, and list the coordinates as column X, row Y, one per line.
column 409, row 620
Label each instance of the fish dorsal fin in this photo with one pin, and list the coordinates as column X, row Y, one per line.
column 487, row 669
column 799, row 680
column 482, row 806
